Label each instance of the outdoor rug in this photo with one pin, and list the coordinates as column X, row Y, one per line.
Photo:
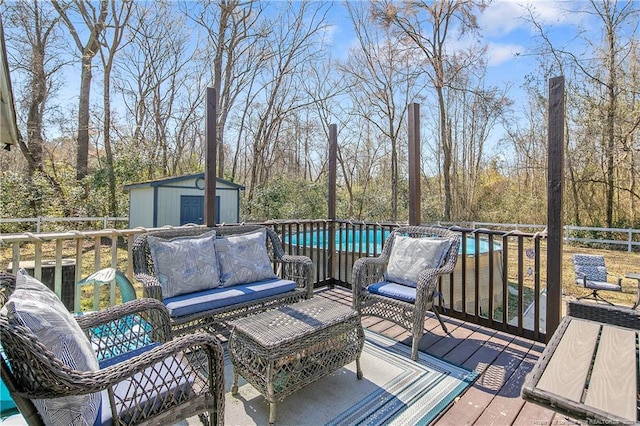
column 394, row 390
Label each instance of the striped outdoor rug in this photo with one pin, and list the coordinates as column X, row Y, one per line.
column 395, row 390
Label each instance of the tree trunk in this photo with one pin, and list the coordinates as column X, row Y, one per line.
column 82, row 155
column 96, row 25
column 446, row 155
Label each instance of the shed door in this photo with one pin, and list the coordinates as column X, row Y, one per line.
column 192, row 209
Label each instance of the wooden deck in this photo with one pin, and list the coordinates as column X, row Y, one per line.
column 503, row 361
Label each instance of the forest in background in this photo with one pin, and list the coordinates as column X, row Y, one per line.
column 139, row 70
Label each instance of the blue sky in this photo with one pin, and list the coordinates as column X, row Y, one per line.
column 509, row 37
column 505, row 32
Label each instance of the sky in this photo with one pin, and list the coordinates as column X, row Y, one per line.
column 509, row 37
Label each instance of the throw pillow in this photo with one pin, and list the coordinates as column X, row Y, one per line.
column 410, row 256
column 244, row 259
column 33, row 305
column 185, row 264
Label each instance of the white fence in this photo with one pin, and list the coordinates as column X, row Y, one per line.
column 629, row 241
column 628, row 237
column 39, row 221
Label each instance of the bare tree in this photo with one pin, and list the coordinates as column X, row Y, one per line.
column 94, row 20
column 293, row 47
column 429, row 25
column 475, row 109
column 36, row 40
column 384, row 76
column 162, row 90
column 231, row 52
column 602, row 118
column 323, row 86
column 120, row 13
column 613, row 19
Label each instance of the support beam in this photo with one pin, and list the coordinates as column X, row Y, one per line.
column 414, row 164
column 554, row 203
column 333, row 156
column 210, row 159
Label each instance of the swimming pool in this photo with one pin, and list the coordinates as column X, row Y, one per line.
column 369, row 241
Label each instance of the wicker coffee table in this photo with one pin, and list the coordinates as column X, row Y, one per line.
column 283, row 350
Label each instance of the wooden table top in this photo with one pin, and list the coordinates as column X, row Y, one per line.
column 589, row 371
column 288, row 323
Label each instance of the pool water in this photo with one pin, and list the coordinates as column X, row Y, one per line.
column 369, row 241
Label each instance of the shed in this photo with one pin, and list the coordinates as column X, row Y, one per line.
column 180, row 200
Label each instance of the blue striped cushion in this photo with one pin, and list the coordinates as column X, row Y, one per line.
column 410, row 256
column 244, row 259
column 34, row 306
column 185, row 264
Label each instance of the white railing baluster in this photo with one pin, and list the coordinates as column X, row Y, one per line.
column 58, row 271
column 15, row 257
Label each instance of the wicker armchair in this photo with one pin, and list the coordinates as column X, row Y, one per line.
column 409, row 314
column 289, row 267
column 165, row 381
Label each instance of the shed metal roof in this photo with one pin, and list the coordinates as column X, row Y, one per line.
column 171, row 180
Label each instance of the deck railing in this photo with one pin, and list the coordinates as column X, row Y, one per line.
column 499, row 280
column 503, row 271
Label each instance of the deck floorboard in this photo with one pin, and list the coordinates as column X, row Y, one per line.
column 501, row 359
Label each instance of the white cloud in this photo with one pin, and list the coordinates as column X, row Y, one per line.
column 556, row 12
column 329, row 33
column 503, row 17
column 499, row 53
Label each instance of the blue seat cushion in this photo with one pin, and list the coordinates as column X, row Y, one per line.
column 188, row 304
column 394, row 290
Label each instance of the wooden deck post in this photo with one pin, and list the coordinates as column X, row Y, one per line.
column 333, row 155
column 210, row 158
column 554, row 204
column 414, row 164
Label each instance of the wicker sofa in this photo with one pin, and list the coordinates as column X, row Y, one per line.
column 212, row 308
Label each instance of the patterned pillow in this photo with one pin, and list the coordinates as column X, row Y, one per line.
column 410, row 256
column 185, row 264
column 34, row 306
column 244, row 259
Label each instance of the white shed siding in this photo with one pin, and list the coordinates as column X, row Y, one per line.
column 141, row 207
column 228, row 204
column 168, row 201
